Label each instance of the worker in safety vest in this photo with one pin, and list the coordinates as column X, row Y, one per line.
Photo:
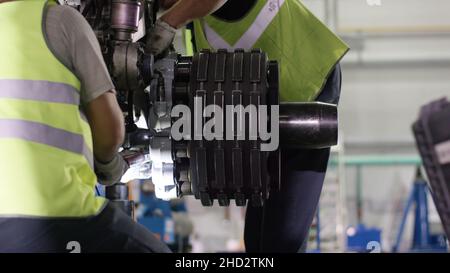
column 308, row 54
column 59, row 118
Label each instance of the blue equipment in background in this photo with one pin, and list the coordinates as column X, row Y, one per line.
column 156, row 215
column 362, row 239
column 423, row 240
column 314, row 232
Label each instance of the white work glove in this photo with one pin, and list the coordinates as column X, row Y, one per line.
column 160, row 37
column 110, row 173
column 140, row 171
column 140, row 166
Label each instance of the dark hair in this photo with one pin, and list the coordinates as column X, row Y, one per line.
column 234, row 10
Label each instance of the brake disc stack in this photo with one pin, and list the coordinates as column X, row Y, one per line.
column 226, row 169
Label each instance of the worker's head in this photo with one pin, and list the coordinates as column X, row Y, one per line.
column 167, row 4
column 234, row 10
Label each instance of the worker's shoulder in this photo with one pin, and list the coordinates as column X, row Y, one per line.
column 65, row 29
column 61, row 11
column 65, row 16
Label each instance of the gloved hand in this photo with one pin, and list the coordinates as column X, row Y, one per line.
column 140, row 166
column 160, row 37
column 111, row 172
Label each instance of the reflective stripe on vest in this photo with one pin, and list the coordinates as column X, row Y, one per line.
column 44, row 134
column 39, row 91
column 264, row 18
column 43, row 91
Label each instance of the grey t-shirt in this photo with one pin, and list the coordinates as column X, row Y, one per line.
column 73, row 42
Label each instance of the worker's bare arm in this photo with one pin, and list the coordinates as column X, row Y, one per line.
column 184, row 11
column 106, row 120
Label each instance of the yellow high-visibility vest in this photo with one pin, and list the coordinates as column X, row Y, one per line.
column 46, row 158
column 306, row 50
